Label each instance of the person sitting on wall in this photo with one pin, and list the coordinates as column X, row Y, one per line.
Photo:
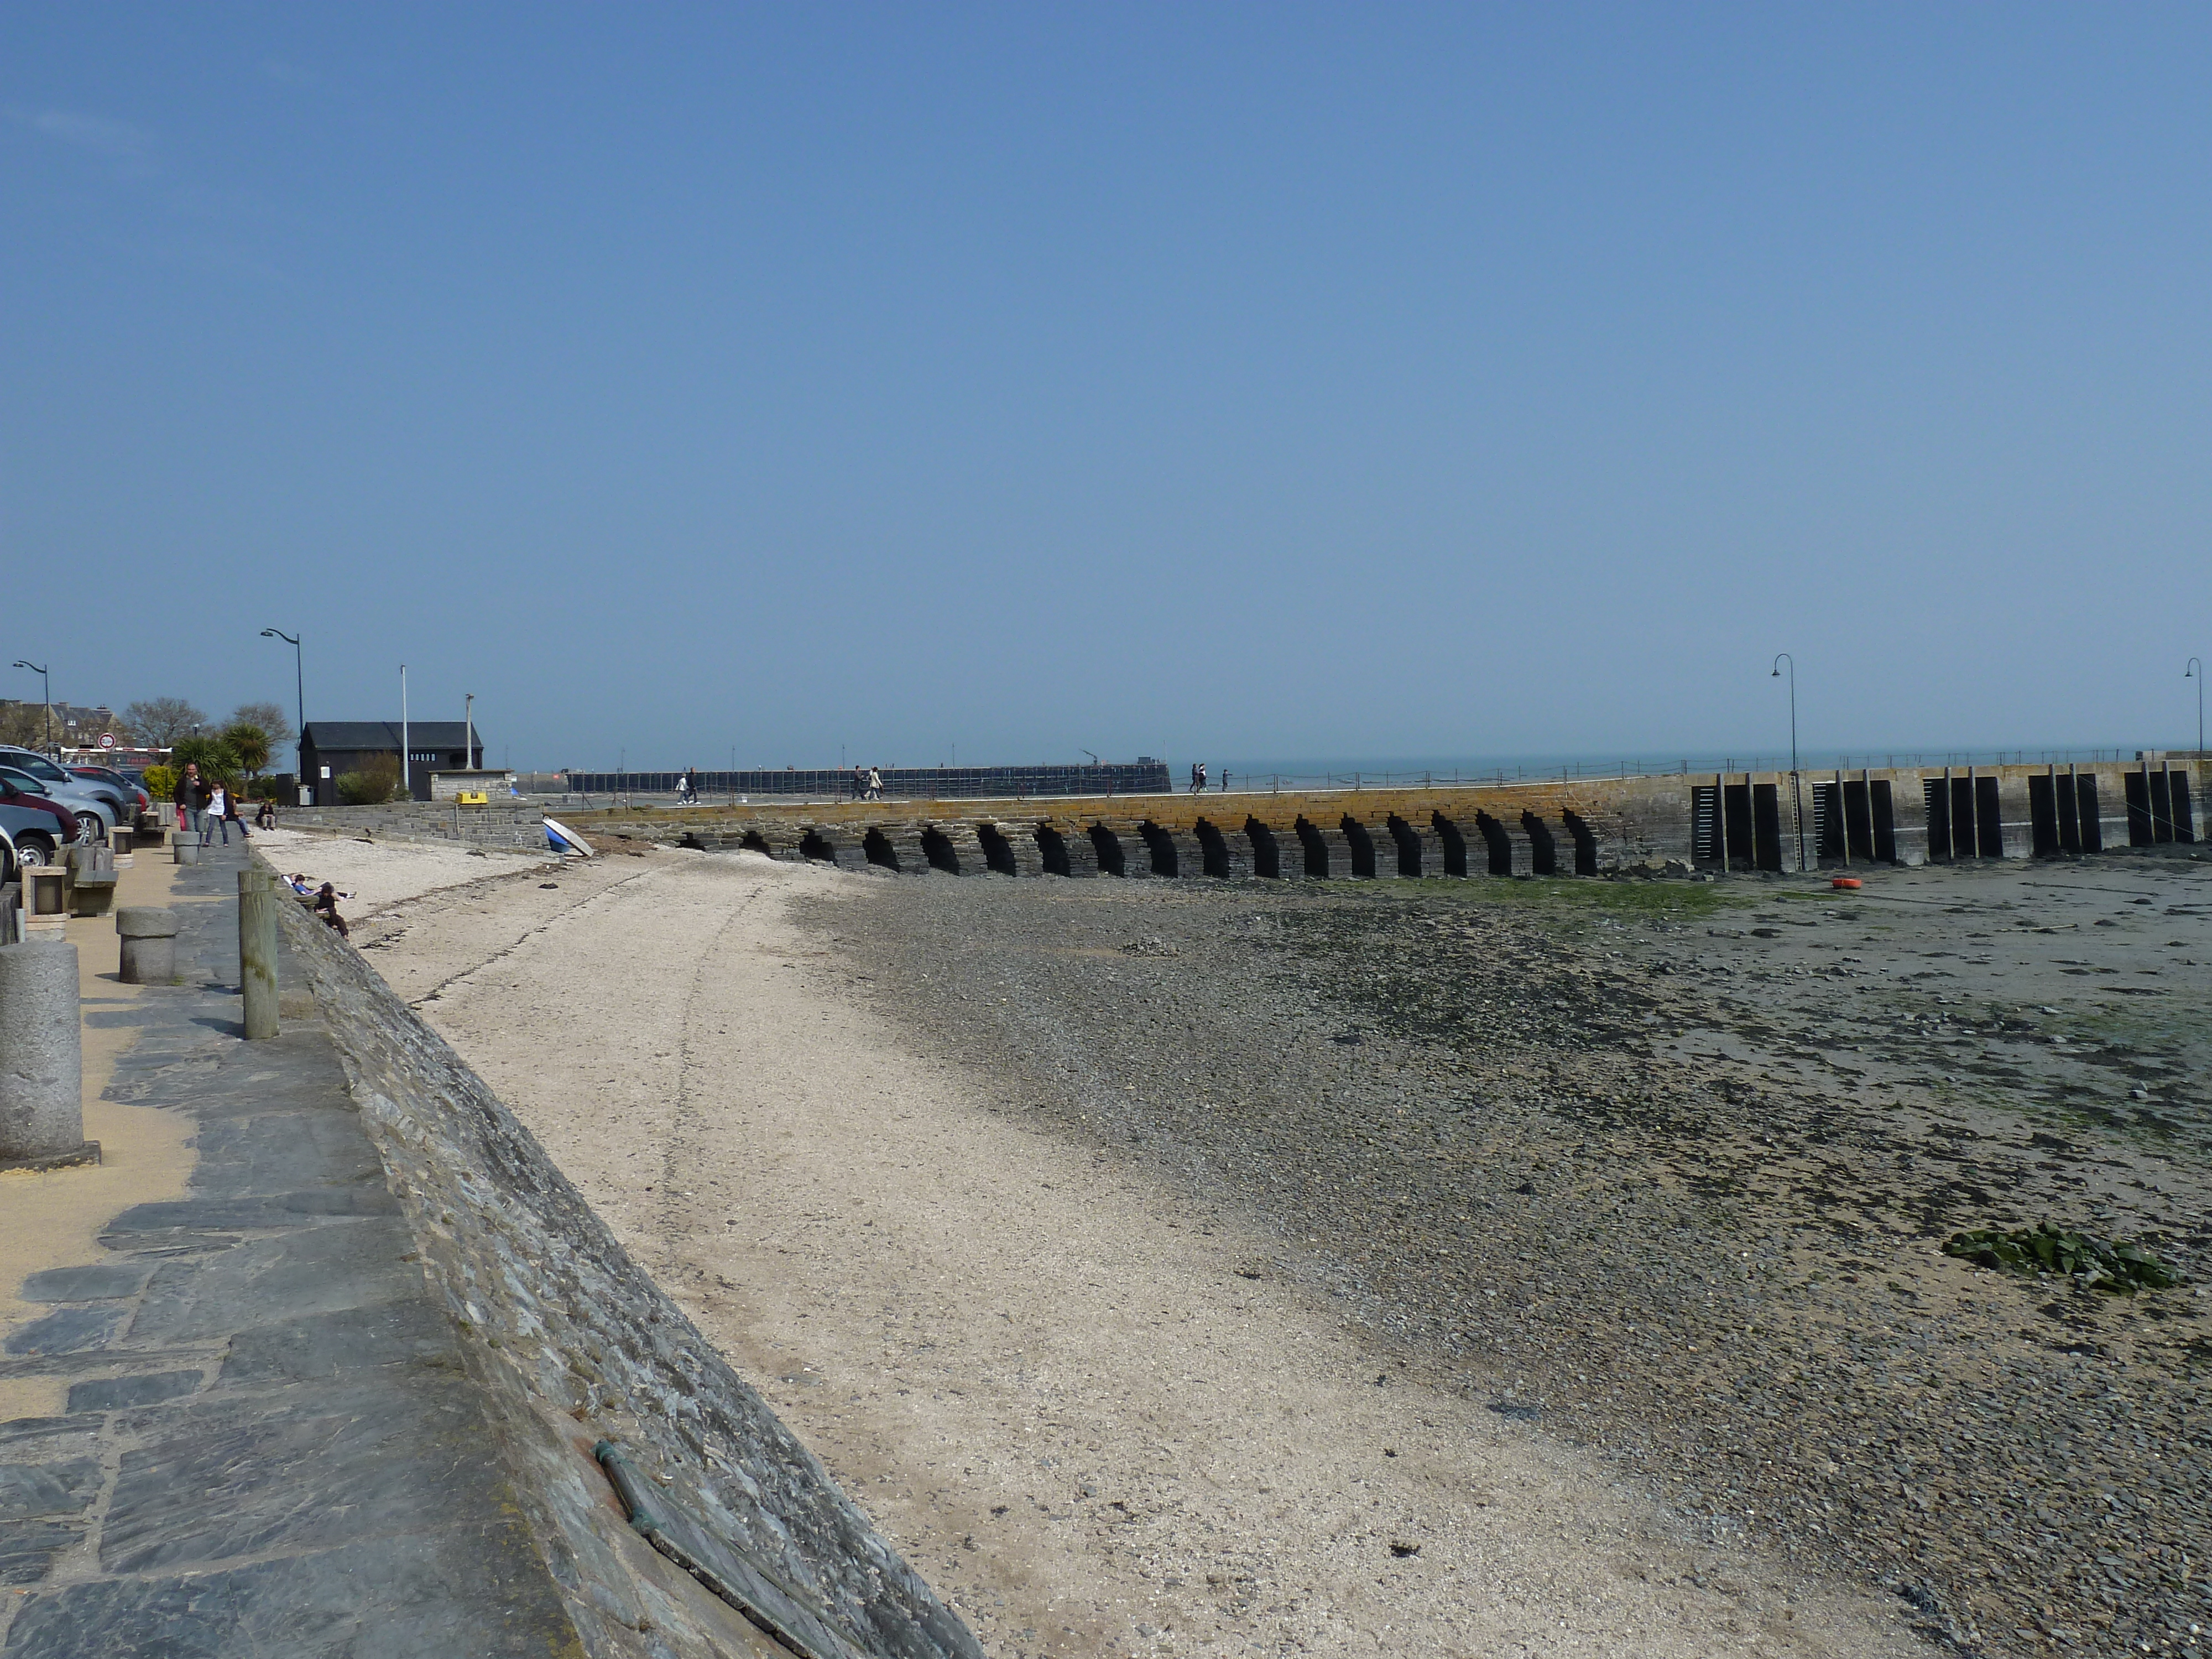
column 266, row 818
column 326, row 907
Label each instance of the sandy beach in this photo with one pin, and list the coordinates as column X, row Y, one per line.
column 1090, row 1408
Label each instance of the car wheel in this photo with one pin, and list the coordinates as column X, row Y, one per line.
column 34, row 849
column 90, row 827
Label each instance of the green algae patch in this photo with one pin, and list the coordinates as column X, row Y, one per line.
column 2100, row 1264
column 1628, row 897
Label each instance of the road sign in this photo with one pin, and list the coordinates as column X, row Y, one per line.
column 108, row 740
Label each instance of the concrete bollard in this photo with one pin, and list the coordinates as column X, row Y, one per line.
column 41, row 1059
column 185, row 847
column 257, row 951
column 149, row 944
column 45, row 899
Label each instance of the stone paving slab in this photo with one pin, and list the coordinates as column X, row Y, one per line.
column 272, row 1445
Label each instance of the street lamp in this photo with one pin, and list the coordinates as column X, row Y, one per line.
column 47, row 692
column 1796, row 790
column 2195, row 671
column 300, row 685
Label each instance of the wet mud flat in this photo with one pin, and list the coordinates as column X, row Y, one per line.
column 1665, row 1168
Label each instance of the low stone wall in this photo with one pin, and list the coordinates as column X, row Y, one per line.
column 502, row 824
column 571, row 1342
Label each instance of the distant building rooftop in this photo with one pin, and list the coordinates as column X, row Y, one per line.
column 384, row 734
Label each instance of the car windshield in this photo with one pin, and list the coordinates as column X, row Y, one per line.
column 36, row 766
column 21, row 779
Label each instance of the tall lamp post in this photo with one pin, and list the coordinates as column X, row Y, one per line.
column 1796, row 790
column 2195, row 671
column 47, row 693
column 299, row 685
column 406, row 780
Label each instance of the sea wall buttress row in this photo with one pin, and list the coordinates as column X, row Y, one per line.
column 1637, row 825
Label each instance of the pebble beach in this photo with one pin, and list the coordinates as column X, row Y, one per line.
column 1450, row 1267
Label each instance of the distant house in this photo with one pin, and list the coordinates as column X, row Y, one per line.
column 331, row 749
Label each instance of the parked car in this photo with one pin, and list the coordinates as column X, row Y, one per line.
column 90, row 815
column 36, row 827
column 120, row 801
column 134, row 795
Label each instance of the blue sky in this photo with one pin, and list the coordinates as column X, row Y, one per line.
column 1192, row 381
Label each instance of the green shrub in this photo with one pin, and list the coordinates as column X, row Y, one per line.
column 375, row 782
column 160, row 783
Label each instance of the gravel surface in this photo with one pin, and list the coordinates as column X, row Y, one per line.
column 1663, row 1167
column 1095, row 1410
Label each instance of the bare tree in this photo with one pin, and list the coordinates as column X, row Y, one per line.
column 160, row 721
column 23, row 723
column 268, row 717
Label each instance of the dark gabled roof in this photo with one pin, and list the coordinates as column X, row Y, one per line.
column 384, row 734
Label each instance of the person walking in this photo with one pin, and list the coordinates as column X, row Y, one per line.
column 217, row 811
column 181, row 798
column 230, row 815
column 859, row 782
column 1198, row 777
column 875, row 784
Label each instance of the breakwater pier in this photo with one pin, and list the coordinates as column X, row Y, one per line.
column 1678, row 824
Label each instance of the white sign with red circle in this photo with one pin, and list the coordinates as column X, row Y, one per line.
column 108, row 740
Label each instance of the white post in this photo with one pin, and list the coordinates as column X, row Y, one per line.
column 469, row 732
column 406, row 783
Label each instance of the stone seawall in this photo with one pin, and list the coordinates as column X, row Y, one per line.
column 502, row 824
column 1672, row 824
column 570, row 1341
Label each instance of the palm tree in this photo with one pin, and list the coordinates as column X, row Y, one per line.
column 248, row 745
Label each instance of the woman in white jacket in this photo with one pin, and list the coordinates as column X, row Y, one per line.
column 218, row 811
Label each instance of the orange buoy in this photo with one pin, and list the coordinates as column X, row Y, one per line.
column 1845, row 881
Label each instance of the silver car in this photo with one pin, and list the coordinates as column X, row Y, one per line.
column 120, row 800
column 27, row 836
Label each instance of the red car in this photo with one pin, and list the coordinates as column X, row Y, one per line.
column 37, row 826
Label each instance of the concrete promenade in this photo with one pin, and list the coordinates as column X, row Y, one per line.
column 238, row 1422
